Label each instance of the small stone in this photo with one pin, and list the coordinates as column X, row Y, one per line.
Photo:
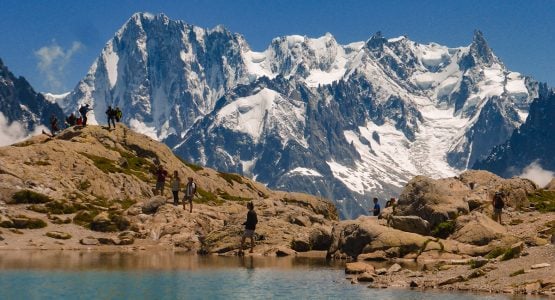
column 283, row 251
column 381, row 271
column 358, row 268
column 532, row 288
column 539, row 266
column 58, row 235
column 394, row 268
column 90, row 241
column 366, row 277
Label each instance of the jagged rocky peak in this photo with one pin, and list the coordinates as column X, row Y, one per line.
column 376, row 41
column 480, row 50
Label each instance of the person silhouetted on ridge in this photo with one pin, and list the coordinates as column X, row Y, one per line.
column 111, row 116
column 83, row 110
column 119, row 114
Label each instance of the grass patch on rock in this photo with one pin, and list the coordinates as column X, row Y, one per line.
column 543, row 200
column 191, row 166
column 205, row 197
column 231, row 177
column 29, row 197
column 444, row 229
column 518, row 272
column 227, row 196
column 85, row 217
column 495, row 253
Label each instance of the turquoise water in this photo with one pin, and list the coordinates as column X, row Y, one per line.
column 173, row 276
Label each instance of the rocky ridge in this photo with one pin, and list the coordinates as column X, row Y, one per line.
column 91, row 187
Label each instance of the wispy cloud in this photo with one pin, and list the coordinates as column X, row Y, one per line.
column 537, row 174
column 52, row 63
column 14, row 132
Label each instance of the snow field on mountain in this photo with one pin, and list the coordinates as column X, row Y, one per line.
column 265, row 111
column 304, row 172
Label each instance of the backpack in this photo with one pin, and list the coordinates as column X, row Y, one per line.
column 498, row 201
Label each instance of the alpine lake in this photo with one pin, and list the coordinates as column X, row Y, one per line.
column 172, row 275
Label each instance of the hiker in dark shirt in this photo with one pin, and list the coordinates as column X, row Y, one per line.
column 250, row 226
column 83, row 110
column 376, row 209
column 111, row 116
column 161, row 175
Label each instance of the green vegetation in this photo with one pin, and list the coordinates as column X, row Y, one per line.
column 444, row 229
column 231, row 177
column 229, row 197
column 206, row 197
column 543, row 200
column 37, row 163
column 24, row 222
column 59, row 207
column 29, row 197
column 133, row 165
column 495, row 253
column 85, row 217
column 191, row 166
column 510, row 254
column 83, row 185
column 515, row 273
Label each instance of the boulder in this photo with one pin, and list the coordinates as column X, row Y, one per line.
column 373, row 256
column 358, row 268
column 301, row 221
column 5, row 222
column 89, row 241
column 394, row 268
column 58, row 235
column 477, row 229
column 151, row 206
column 551, row 185
column 365, row 235
column 301, row 243
column 435, row 201
column 320, row 238
column 366, row 277
column 413, row 224
column 102, row 222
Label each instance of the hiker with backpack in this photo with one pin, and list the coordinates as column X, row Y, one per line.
column 376, row 210
column 250, row 226
column 111, row 116
column 83, row 110
column 71, row 120
column 190, row 191
column 498, row 205
column 119, row 114
column 175, row 184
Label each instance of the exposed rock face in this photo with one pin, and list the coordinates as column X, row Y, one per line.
column 410, row 224
column 79, row 176
column 477, row 229
column 433, row 200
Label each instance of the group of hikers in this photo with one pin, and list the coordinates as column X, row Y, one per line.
column 190, row 190
column 113, row 115
column 497, row 202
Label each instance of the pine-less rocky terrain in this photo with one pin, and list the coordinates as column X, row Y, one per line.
column 90, row 188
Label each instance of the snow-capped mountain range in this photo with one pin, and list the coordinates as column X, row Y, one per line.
column 346, row 122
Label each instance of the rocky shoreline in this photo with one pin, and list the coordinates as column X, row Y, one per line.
column 91, row 189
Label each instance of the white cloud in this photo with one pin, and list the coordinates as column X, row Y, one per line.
column 14, row 132
column 53, row 61
column 537, row 174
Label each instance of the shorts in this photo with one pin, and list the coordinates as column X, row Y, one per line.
column 159, row 185
column 497, row 211
column 248, row 233
column 188, row 199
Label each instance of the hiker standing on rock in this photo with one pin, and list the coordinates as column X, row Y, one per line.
column 250, row 226
column 160, row 180
column 376, row 209
column 119, row 114
column 111, row 116
column 498, row 205
column 54, row 125
column 175, row 184
column 190, row 191
column 83, row 110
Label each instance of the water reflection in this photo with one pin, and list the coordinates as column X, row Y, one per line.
column 148, row 260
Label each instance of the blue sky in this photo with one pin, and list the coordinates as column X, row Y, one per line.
column 53, row 43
